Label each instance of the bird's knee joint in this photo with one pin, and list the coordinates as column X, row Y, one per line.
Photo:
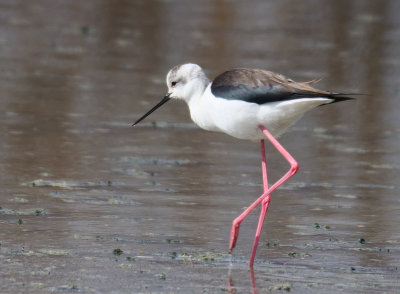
column 235, row 223
column 294, row 168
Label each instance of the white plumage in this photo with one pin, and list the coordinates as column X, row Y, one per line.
column 238, row 101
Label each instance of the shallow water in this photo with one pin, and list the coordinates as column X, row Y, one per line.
column 92, row 205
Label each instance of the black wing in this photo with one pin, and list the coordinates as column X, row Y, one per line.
column 259, row 86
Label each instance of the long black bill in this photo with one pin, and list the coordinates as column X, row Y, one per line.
column 163, row 101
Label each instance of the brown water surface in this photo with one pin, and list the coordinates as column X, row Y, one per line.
column 91, row 205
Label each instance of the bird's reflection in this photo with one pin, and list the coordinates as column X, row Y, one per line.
column 253, row 281
column 233, row 290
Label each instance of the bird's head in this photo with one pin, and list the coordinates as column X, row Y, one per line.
column 184, row 82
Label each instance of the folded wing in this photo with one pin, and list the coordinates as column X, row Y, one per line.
column 260, row 87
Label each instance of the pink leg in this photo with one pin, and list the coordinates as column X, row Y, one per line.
column 264, row 166
column 264, row 197
column 264, row 209
column 238, row 220
column 264, row 204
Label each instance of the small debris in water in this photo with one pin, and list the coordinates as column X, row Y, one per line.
column 383, row 249
column 129, row 258
column 285, row 287
column 20, row 222
column 197, row 258
column 68, row 288
column 85, row 30
column 64, row 184
column 54, row 251
column 319, row 130
column 292, row 254
column 272, row 244
column 319, row 226
column 117, row 252
column 162, row 276
column 361, row 241
column 173, row 241
column 302, row 255
column 39, row 212
column 173, row 255
column 157, row 161
column 28, row 211
column 18, row 200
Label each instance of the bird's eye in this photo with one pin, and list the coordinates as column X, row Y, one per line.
column 173, row 84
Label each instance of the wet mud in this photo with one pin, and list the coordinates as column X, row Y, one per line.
column 89, row 204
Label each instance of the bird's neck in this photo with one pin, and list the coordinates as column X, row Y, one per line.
column 197, row 89
column 199, row 107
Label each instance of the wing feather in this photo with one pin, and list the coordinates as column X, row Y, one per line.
column 260, row 86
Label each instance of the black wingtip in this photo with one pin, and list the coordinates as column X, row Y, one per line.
column 341, row 98
column 338, row 97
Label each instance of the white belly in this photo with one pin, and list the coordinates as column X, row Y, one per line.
column 241, row 119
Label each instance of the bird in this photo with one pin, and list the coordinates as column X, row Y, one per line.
column 250, row 104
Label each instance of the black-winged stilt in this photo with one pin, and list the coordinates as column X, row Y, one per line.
column 248, row 104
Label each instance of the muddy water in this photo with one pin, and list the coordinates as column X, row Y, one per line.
column 92, row 205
